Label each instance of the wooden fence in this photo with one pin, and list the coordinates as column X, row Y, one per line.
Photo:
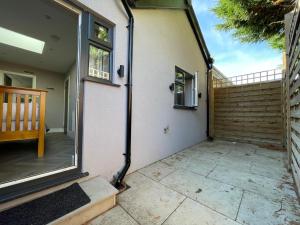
column 251, row 112
column 292, row 94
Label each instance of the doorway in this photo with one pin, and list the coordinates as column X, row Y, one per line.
column 7, row 80
column 35, row 111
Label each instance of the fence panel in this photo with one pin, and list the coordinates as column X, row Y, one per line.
column 249, row 113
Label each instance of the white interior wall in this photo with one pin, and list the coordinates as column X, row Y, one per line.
column 44, row 80
column 72, row 76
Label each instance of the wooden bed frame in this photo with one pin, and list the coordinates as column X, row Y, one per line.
column 38, row 97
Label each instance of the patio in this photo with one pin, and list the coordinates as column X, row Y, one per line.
column 214, row 183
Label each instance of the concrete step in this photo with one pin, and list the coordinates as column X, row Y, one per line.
column 103, row 198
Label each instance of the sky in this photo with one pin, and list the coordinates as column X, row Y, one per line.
column 230, row 56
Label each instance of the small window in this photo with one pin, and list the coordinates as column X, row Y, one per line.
column 186, row 93
column 179, row 77
column 99, row 63
column 101, row 32
column 179, row 94
column 100, row 49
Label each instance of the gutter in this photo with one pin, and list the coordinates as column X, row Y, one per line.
column 207, row 58
column 209, row 138
column 198, row 33
column 205, row 52
column 118, row 178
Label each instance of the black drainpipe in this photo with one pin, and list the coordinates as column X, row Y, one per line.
column 118, row 178
column 209, row 68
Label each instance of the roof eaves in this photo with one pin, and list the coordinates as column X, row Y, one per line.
column 178, row 4
column 154, row 4
column 198, row 33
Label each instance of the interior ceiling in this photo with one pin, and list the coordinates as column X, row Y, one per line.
column 46, row 21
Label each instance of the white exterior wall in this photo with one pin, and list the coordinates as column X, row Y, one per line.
column 105, row 106
column 162, row 39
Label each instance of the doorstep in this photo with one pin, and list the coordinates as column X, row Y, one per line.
column 103, row 198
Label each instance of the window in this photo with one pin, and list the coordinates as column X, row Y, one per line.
column 186, row 93
column 100, row 49
column 99, row 61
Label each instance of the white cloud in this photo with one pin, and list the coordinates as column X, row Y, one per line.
column 200, row 6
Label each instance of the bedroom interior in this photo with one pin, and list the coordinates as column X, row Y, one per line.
column 38, row 89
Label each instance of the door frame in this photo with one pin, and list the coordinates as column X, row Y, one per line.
column 26, row 186
column 66, row 107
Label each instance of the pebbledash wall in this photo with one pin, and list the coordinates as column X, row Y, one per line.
column 162, row 39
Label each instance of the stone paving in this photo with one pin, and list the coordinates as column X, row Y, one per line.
column 212, row 183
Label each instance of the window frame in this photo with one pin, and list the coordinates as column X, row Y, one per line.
column 176, row 82
column 98, row 43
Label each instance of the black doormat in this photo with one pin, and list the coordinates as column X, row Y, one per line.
column 46, row 209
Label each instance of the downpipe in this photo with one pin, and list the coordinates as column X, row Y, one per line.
column 210, row 66
column 118, row 178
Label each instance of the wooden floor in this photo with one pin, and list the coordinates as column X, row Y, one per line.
column 19, row 159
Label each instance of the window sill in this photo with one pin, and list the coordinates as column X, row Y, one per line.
column 100, row 81
column 185, row 107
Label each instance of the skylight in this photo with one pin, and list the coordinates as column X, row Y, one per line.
column 18, row 40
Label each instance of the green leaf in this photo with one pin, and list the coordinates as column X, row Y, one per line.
column 254, row 21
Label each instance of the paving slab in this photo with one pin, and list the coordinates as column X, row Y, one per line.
column 213, row 147
column 115, row 216
column 272, row 154
column 203, row 155
column 242, row 149
column 194, row 164
column 241, row 154
column 136, row 179
column 221, row 197
column 257, row 210
column 270, row 188
column 235, row 163
column 157, row 171
column 274, row 172
column 263, row 160
column 150, row 203
column 212, row 183
column 193, row 213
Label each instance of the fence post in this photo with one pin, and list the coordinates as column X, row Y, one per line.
column 211, row 104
